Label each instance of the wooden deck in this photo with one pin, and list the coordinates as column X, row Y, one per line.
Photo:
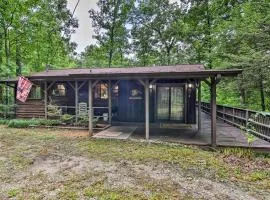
column 227, row 135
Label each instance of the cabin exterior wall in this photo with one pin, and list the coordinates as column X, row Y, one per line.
column 127, row 106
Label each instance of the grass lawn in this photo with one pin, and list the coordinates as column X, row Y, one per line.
column 46, row 164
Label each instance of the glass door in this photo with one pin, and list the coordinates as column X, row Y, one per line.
column 177, row 104
column 163, row 103
column 170, row 103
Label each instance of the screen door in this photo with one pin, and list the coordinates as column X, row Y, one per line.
column 170, row 103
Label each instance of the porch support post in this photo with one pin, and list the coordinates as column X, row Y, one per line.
column 6, row 97
column 110, row 101
column 146, row 89
column 90, row 103
column 46, row 99
column 199, row 106
column 213, row 112
column 15, row 92
column 76, row 100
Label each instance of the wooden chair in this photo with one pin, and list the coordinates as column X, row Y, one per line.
column 83, row 109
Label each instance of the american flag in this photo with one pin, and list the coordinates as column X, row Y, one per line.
column 23, row 89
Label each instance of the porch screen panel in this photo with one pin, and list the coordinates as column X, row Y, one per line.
column 177, row 103
column 163, row 96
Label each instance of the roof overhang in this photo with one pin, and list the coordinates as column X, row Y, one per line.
column 127, row 75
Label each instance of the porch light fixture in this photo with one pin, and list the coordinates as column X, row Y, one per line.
column 150, row 86
column 190, row 85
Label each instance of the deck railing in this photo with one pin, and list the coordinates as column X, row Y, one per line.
column 55, row 111
column 254, row 122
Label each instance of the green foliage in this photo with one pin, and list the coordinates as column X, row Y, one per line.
column 109, row 24
column 13, row 193
column 20, row 123
column 54, row 110
column 66, row 118
column 34, row 34
column 4, row 122
column 218, row 34
column 7, row 111
column 240, row 152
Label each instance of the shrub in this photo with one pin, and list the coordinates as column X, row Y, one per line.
column 54, row 110
column 20, row 123
column 46, row 122
column 66, row 118
column 4, row 122
column 84, row 121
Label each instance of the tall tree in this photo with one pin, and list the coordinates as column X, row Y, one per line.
column 162, row 22
column 110, row 24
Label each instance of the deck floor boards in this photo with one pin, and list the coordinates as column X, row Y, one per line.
column 227, row 135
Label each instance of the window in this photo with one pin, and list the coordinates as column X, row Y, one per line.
column 59, row 90
column 101, row 91
column 35, row 92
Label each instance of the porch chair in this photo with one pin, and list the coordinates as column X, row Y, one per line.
column 83, row 109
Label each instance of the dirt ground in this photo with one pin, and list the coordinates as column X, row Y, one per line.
column 58, row 164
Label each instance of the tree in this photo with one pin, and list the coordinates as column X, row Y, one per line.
column 161, row 23
column 110, row 25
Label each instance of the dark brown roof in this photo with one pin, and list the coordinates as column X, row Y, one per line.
column 176, row 71
column 121, row 70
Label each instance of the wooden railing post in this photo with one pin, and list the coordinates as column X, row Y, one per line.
column 223, row 113
column 233, row 114
column 90, row 103
column 76, row 100
column 199, row 107
column 246, row 117
column 110, row 101
column 46, row 99
column 213, row 113
column 146, row 109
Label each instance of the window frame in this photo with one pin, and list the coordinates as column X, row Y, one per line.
column 98, row 91
column 55, row 87
column 34, row 87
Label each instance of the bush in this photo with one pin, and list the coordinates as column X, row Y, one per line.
column 20, row 123
column 45, row 122
column 66, row 118
column 4, row 122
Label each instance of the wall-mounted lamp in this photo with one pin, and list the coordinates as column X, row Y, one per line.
column 190, row 85
column 150, row 86
column 189, row 89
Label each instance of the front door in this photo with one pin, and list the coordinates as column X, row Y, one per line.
column 170, row 103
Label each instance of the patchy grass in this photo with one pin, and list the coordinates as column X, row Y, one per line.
column 13, row 193
column 45, row 163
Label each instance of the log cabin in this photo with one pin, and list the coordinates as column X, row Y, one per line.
column 150, row 95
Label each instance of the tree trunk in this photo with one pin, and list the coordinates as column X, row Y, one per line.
column 209, row 43
column 243, row 96
column 1, row 54
column 112, row 32
column 168, row 56
column 6, row 46
column 18, row 59
column 122, row 57
column 261, row 87
column 110, row 57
